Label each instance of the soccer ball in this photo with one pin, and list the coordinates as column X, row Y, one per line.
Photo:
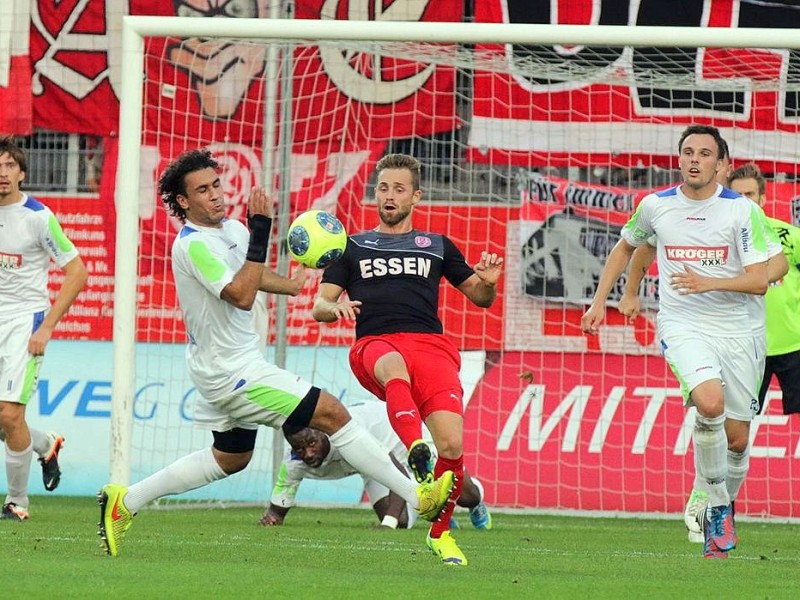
column 316, row 239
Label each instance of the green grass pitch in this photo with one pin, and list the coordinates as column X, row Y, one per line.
column 223, row 553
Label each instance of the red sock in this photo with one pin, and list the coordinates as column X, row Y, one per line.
column 403, row 413
column 456, row 465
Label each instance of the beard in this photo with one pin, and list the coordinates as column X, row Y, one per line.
column 395, row 217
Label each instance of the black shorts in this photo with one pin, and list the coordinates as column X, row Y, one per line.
column 786, row 367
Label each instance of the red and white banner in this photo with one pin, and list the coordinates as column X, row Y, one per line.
column 532, row 120
column 349, row 94
column 89, row 224
column 16, row 97
column 76, row 61
column 571, row 431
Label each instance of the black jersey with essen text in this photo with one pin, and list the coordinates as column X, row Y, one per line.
column 396, row 278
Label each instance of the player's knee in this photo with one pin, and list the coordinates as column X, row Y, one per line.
column 12, row 418
column 709, row 406
column 738, row 444
column 391, row 366
column 708, row 398
column 330, row 415
column 449, row 445
column 233, row 463
column 233, row 449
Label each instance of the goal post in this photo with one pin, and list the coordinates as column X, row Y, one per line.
column 553, row 420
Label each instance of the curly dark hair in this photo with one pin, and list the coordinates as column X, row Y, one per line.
column 172, row 182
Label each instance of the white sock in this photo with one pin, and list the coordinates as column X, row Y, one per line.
column 18, row 469
column 40, row 440
column 738, row 465
column 359, row 448
column 188, row 473
column 711, row 450
column 412, row 515
column 478, row 485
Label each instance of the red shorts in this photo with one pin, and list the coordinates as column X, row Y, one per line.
column 433, row 363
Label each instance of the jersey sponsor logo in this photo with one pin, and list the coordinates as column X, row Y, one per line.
column 371, row 242
column 401, row 413
column 745, row 235
column 422, row 241
column 705, row 256
column 406, row 265
column 10, row 261
column 695, row 218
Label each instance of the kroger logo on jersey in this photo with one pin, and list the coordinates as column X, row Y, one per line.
column 10, row 261
column 706, row 256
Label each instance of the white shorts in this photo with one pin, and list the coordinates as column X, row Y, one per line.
column 737, row 362
column 267, row 396
column 19, row 369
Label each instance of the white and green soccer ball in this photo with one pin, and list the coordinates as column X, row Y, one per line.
column 316, row 239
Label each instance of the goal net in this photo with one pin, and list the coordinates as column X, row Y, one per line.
column 536, row 143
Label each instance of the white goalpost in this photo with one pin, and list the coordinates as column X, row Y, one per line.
column 536, row 141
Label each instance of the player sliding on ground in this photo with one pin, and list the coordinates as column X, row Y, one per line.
column 311, row 456
column 219, row 267
column 391, row 275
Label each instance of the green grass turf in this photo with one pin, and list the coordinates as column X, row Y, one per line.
column 222, row 553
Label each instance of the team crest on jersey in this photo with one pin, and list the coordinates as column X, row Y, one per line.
column 422, row 241
column 705, row 256
column 10, row 261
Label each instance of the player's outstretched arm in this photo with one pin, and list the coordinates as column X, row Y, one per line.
column 629, row 305
column 273, row 283
column 330, row 307
column 481, row 288
column 273, row 516
column 616, row 263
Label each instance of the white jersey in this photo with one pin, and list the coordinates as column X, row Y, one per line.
column 717, row 237
column 370, row 415
column 222, row 340
column 30, row 236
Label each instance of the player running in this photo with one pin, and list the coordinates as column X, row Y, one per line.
column 712, row 250
column 311, row 456
column 30, row 236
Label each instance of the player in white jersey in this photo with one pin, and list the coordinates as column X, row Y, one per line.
column 311, row 456
column 712, row 251
column 30, row 236
column 219, row 268
column 738, row 435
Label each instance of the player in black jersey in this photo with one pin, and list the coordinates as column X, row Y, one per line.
column 391, row 275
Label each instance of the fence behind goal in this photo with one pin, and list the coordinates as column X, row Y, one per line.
column 536, row 143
